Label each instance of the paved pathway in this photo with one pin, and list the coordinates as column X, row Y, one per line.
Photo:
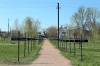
column 50, row 56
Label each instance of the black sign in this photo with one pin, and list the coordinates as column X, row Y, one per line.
column 74, row 40
column 23, row 39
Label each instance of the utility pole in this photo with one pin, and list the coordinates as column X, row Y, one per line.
column 58, row 23
column 8, row 27
column 0, row 32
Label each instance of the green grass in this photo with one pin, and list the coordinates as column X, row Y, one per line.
column 9, row 52
column 91, row 53
column 6, row 40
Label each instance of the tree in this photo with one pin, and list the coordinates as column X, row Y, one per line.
column 86, row 19
column 28, row 25
column 14, row 33
column 21, row 28
column 82, row 17
column 93, row 17
column 36, row 27
column 75, row 21
column 51, row 31
column 16, row 25
column 15, row 30
column 79, row 19
column 31, row 26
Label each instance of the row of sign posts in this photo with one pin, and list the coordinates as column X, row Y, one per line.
column 39, row 41
column 25, row 39
column 80, row 41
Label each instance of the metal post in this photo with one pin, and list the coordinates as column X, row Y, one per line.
column 66, row 46
column 70, row 47
column 70, row 42
column 81, row 48
column 74, row 47
column 31, row 42
column 61, row 43
column 25, row 46
column 28, row 44
column 18, row 45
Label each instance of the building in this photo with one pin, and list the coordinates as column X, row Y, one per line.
column 65, row 33
column 41, row 35
column 62, row 32
column 3, row 34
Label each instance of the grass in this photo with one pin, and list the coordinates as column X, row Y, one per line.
column 9, row 52
column 91, row 53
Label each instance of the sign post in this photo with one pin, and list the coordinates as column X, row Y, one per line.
column 31, row 43
column 25, row 46
column 18, row 45
column 28, row 44
column 80, row 41
column 74, row 46
column 81, row 48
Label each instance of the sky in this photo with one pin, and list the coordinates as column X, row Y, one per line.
column 43, row 10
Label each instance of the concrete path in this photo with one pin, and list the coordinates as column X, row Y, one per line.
column 50, row 56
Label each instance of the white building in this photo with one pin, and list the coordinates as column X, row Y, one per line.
column 62, row 33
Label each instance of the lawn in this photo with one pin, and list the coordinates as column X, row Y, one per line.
column 9, row 52
column 91, row 53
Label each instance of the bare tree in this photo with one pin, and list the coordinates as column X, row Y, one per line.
column 93, row 17
column 15, row 28
column 16, row 25
column 51, row 31
column 82, row 18
column 87, row 19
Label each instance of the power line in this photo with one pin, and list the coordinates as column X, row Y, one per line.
column 49, row 6
column 47, row 2
column 50, row 3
